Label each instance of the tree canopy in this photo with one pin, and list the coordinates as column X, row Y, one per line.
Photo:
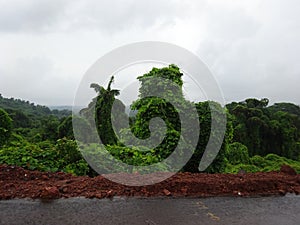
column 259, row 137
column 5, row 127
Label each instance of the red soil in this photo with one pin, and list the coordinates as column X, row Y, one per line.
column 16, row 182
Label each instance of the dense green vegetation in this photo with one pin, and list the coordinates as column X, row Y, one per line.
column 36, row 137
column 258, row 137
column 265, row 129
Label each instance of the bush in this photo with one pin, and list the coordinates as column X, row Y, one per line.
column 44, row 156
column 5, row 127
column 270, row 162
column 102, row 158
column 29, row 156
column 236, row 168
column 274, row 162
column 258, row 161
column 237, row 153
column 68, row 150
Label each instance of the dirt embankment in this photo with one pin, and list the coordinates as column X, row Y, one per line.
column 16, row 182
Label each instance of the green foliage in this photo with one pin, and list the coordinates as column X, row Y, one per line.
column 5, row 127
column 285, row 107
column 255, row 103
column 258, row 161
column 167, row 84
column 79, row 168
column 270, row 162
column 258, row 137
column 65, row 129
column 84, row 132
column 171, row 73
column 241, row 167
column 101, row 157
column 34, row 122
column 44, row 156
column 265, row 130
column 237, row 153
column 273, row 162
column 68, row 150
column 134, row 155
column 205, row 110
column 49, row 128
column 104, row 104
column 29, row 156
column 147, row 108
column 140, row 152
column 34, row 112
column 20, row 119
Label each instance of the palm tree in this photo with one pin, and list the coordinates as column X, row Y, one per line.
column 98, row 89
column 101, row 90
column 99, row 111
column 114, row 92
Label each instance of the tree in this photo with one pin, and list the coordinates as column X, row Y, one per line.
column 103, row 112
column 5, row 127
column 160, row 95
column 264, row 130
column 99, row 113
column 237, row 153
column 285, row 107
column 65, row 129
column 160, row 92
column 204, row 110
column 150, row 107
column 49, row 128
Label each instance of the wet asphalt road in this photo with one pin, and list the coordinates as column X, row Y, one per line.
column 154, row 211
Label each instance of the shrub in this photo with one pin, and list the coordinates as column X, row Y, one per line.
column 5, row 127
column 258, row 161
column 237, row 153
column 246, row 167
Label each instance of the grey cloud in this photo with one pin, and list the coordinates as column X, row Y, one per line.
column 106, row 16
column 253, row 53
column 256, row 56
column 231, row 24
column 119, row 15
column 30, row 15
column 36, row 79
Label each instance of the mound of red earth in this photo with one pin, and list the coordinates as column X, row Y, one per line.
column 16, row 182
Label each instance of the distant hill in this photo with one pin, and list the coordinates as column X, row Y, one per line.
column 17, row 106
column 75, row 109
column 60, row 107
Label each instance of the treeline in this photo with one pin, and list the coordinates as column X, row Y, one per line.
column 263, row 137
column 266, row 129
column 258, row 137
column 33, row 122
column 30, row 109
column 37, row 138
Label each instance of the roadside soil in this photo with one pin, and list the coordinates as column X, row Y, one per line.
column 16, row 182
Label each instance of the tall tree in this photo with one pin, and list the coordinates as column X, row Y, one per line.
column 103, row 112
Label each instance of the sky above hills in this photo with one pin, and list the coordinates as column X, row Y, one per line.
column 251, row 46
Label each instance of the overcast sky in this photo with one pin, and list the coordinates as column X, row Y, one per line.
column 251, row 46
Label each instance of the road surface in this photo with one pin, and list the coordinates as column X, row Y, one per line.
column 153, row 211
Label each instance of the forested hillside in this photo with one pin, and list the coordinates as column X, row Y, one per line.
column 32, row 120
column 274, row 129
column 30, row 109
column 259, row 137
